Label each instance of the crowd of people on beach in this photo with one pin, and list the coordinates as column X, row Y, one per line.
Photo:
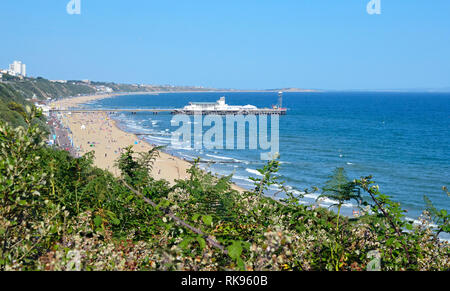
column 96, row 132
column 60, row 135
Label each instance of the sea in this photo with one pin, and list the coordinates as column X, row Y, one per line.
column 402, row 139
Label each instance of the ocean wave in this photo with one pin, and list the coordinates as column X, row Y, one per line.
column 188, row 157
column 223, row 158
column 312, row 196
column 159, row 138
column 243, row 179
column 325, row 200
column 219, row 157
column 181, row 146
column 418, row 222
column 254, row 172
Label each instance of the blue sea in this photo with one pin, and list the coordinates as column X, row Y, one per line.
column 401, row 139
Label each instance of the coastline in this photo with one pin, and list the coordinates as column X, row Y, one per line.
column 101, row 134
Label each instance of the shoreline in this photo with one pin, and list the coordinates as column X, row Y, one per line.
column 101, row 134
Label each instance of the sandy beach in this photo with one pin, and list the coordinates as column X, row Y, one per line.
column 99, row 133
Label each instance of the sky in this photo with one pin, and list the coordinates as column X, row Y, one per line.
column 242, row 44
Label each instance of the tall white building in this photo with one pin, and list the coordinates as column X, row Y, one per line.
column 18, row 69
column 24, row 70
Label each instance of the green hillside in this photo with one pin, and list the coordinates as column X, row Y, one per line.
column 42, row 88
column 15, row 94
column 11, row 105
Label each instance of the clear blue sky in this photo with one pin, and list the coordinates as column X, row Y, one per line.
column 324, row 44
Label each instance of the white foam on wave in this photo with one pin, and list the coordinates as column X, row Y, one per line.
column 418, row 222
column 325, row 200
column 296, row 192
column 135, row 127
column 311, row 196
column 180, row 147
column 164, row 133
column 242, row 178
column 331, row 202
column 161, row 139
column 223, row 158
column 254, row 172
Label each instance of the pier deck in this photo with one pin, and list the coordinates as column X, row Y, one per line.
column 232, row 112
column 111, row 110
column 263, row 111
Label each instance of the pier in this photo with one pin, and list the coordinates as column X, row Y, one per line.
column 262, row 111
column 115, row 110
column 267, row 111
column 196, row 108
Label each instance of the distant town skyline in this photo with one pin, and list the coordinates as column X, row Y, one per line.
column 17, row 68
column 322, row 44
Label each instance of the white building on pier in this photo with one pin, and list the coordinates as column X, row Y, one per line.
column 221, row 108
column 219, row 105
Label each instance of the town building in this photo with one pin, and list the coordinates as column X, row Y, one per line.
column 17, row 68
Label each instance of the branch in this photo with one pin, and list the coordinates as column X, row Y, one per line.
column 390, row 221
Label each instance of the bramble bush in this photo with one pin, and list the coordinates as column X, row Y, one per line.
column 62, row 213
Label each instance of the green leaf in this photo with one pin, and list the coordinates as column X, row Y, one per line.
column 201, row 242
column 115, row 221
column 195, row 217
column 390, row 241
column 98, row 220
column 235, row 250
column 207, row 219
column 241, row 264
column 185, row 243
column 53, row 230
